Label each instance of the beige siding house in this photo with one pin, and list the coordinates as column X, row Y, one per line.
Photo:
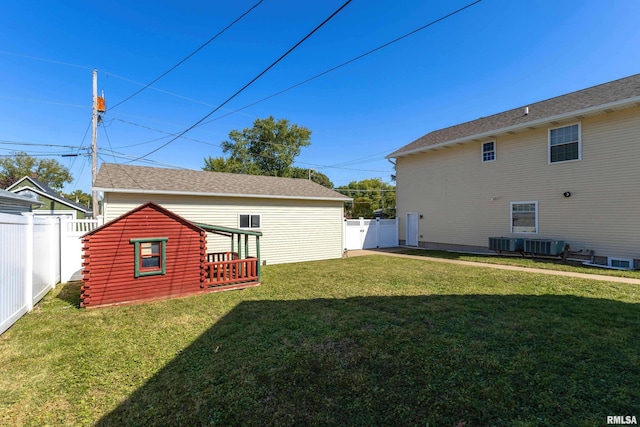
column 299, row 219
column 564, row 169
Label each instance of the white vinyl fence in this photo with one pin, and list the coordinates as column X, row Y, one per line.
column 36, row 253
column 71, row 242
column 370, row 233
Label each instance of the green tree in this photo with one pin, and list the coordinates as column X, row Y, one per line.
column 368, row 196
column 317, row 177
column 230, row 165
column 18, row 165
column 268, row 148
column 361, row 207
column 80, row 197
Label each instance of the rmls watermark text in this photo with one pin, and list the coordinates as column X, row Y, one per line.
column 622, row 420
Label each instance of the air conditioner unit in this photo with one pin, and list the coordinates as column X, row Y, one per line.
column 508, row 244
column 544, row 247
column 620, row 263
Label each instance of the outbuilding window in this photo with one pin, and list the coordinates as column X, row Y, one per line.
column 150, row 255
column 249, row 221
column 564, row 144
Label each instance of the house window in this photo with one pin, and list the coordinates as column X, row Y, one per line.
column 249, row 221
column 564, row 144
column 489, row 151
column 150, row 256
column 524, row 217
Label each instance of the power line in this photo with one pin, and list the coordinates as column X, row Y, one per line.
column 355, row 190
column 397, row 39
column 3, row 52
column 252, row 81
column 108, row 140
column 86, row 132
column 33, row 144
column 42, row 101
column 188, row 56
column 338, row 167
column 128, row 157
column 35, row 154
column 169, row 134
column 108, row 74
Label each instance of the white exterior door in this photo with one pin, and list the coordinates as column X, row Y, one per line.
column 412, row 229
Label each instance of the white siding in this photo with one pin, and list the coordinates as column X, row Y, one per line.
column 464, row 201
column 293, row 230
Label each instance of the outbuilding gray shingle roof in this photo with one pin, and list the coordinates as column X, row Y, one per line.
column 603, row 95
column 150, row 180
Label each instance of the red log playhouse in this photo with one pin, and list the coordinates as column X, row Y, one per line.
column 151, row 253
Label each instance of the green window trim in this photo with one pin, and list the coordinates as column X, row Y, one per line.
column 162, row 269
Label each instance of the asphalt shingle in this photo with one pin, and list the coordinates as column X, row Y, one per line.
column 113, row 177
column 617, row 90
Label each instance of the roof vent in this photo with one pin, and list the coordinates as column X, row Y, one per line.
column 526, row 111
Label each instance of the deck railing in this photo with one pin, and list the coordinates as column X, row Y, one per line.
column 232, row 271
column 221, row 256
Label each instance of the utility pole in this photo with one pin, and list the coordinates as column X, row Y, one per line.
column 94, row 145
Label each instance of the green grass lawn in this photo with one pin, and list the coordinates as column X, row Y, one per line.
column 364, row 341
column 545, row 264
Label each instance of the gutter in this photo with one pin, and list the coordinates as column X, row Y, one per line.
column 195, row 193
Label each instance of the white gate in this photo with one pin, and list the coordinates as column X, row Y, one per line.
column 412, row 229
column 370, row 233
column 71, row 244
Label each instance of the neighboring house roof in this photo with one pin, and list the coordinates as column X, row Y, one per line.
column 615, row 95
column 44, row 190
column 149, row 180
column 16, row 199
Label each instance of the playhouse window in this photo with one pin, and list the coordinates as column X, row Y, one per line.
column 150, row 256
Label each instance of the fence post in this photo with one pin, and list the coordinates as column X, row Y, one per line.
column 64, row 225
column 397, row 233
column 344, row 235
column 53, row 252
column 28, row 267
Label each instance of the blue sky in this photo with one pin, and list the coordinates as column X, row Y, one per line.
column 495, row 55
